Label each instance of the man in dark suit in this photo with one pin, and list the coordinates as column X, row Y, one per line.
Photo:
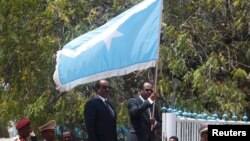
column 100, row 116
column 140, row 111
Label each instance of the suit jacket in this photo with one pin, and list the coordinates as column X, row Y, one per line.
column 100, row 124
column 140, row 120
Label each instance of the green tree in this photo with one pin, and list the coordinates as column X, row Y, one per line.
column 203, row 65
column 205, row 46
column 31, row 32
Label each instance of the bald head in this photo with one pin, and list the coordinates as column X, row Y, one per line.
column 147, row 84
column 102, row 88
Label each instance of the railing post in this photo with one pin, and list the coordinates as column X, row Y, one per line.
column 163, row 135
column 170, row 124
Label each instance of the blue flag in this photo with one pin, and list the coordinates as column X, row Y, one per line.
column 126, row 43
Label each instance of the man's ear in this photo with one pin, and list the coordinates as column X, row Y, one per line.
column 141, row 90
column 98, row 90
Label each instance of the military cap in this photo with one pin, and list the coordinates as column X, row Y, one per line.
column 22, row 123
column 203, row 128
column 48, row 126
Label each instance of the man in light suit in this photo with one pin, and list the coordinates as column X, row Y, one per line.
column 100, row 116
column 140, row 110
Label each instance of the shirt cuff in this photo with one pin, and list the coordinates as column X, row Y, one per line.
column 32, row 134
column 150, row 101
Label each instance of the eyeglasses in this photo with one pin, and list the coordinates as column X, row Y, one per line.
column 149, row 90
column 106, row 87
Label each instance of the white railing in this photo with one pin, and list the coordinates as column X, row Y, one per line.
column 186, row 129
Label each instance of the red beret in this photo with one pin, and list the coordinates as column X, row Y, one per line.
column 22, row 123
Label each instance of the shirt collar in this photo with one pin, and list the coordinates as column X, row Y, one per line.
column 141, row 98
column 103, row 99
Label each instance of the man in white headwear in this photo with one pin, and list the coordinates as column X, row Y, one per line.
column 203, row 132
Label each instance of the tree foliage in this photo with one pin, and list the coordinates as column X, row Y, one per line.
column 31, row 33
column 205, row 49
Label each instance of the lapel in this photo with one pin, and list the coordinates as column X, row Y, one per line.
column 145, row 114
column 104, row 106
column 112, row 108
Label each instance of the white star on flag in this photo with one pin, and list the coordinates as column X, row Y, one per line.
column 109, row 38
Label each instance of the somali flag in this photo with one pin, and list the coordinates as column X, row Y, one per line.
column 126, row 43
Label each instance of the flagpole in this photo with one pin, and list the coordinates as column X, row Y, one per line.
column 156, row 66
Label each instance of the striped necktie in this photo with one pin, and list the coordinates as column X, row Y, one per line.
column 109, row 108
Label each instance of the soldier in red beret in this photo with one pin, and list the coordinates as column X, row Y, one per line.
column 25, row 132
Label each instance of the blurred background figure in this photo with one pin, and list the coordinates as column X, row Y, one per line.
column 203, row 132
column 67, row 136
column 12, row 130
column 173, row 138
column 48, row 131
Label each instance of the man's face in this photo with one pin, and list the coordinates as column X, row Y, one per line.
column 147, row 90
column 67, row 136
column 49, row 135
column 104, row 89
column 25, row 131
column 204, row 136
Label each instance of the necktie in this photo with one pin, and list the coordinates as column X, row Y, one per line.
column 109, row 108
